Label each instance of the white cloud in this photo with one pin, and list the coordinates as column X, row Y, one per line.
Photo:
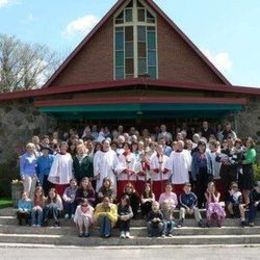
column 221, row 60
column 82, row 25
column 4, row 3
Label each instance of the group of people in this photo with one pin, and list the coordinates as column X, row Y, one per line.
column 83, row 175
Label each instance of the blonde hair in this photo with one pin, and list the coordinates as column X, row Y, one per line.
column 30, row 145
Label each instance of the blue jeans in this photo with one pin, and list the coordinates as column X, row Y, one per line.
column 37, row 216
column 168, row 226
column 155, row 229
column 105, row 226
column 69, row 208
column 51, row 212
column 252, row 213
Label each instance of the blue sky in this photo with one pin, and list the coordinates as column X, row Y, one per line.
column 227, row 31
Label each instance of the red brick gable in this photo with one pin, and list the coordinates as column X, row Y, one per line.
column 178, row 58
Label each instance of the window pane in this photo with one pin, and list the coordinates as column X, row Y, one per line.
column 119, row 58
column 151, row 28
column 129, row 33
column 130, row 4
column 141, row 15
column 141, row 34
column 129, row 66
column 151, row 40
column 120, row 18
column 152, row 72
column 139, row 4
column 151, row 58
column 141, row 49
column 150, row 17
column 119, row 41
column 129, row 50
column 142, row 66
column 120, row 73
column 128, row 15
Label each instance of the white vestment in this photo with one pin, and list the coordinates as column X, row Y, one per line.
column 61, row 169
column 127, row 162
column 156, row 165
column 180, row 166
column 105, row 164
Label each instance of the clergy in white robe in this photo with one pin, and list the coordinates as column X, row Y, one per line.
column 61, row 169
column 180, row 161
column 160, row 171
column 105, row 164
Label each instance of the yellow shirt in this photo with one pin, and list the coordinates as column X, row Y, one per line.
column 110, row 212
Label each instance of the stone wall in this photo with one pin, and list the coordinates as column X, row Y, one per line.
column 248, row 121
column 19, row 121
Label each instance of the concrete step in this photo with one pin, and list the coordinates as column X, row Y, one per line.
column 135, row 231
column 11, row 220
column 67, row 240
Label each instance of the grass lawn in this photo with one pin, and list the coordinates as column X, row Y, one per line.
column 5, row 203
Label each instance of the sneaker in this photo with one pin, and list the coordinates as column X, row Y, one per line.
column 34, row 225
column 86, row 234
column 122, row 235
column 170, row 235
column 163, row 236
column 127, row 235
column 38, row 225
column 66, row 216
column 107, row 235
column 72, row 216
column 81, row 234
column 251, row 224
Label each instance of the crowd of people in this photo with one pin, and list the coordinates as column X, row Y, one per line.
column 109, row 176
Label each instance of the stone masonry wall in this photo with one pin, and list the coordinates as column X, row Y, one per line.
column 19, row 121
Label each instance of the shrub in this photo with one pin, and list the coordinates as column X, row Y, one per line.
column 257, row 172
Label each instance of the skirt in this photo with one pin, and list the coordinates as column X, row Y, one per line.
column 246, row 179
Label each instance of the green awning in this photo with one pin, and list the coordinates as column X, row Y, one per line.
column 147, row 111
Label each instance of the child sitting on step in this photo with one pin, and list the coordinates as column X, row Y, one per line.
column 24, row 209
column 254, row 204
column 155, row 221
column 188, row 205
column 53, row 208
column 69, row 196
column 215, row 210
column 168, row 218
column 38, row 206
column 106, row 216
column 84, row 217
column 235, row 206
column 125, row 214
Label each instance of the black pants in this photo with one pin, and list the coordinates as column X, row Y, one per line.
column 23, row 215
column 146, row 208
column 46, row 185
column 124, row 225
column 203, row 178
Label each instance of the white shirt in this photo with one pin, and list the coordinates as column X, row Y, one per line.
column 180, row 166
column 61, row 169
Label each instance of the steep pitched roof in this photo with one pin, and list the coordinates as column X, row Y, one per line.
column 159, row 11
